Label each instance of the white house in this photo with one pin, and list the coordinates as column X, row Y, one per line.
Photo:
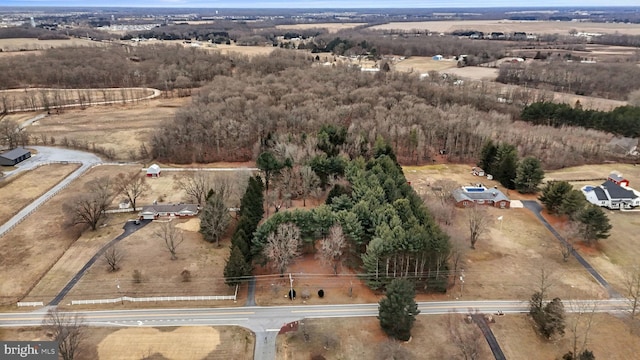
column 153, row 171
column 612, row 196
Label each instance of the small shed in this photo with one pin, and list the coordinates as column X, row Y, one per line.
column 153, row 171
column 618, row 179
column 477, row 171
column 437, row 57
column 15, row 156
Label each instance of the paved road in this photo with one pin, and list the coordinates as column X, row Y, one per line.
column 488, row 334
column 535, row 207
column 44, row 155
column 267, row 321
column 129, row 228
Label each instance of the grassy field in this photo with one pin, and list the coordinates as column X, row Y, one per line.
column 423, row 64
column 176, row 343
column 21, row 189
column 613, row 256
column 488, row 26
column 22, row 44
column 361, row 338
column 331, row 27
column 122, row 128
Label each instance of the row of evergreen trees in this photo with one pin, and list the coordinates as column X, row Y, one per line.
column 501, row 161
column 239, row 264
column 622, row 120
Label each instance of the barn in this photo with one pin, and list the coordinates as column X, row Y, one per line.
column 15, row 156
column 153, row 171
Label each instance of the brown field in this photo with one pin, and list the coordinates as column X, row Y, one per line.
column 612, row 256
column 331, row 27
column 538, row 27
column 122, row 128
column 507, row 260
column 242, row 50
column 145, row 252
column 26, row 261
column 18, row 44
column 423, row 64
column 474, row 73
column 20, row 190
column 188, row 342
column 360, row 338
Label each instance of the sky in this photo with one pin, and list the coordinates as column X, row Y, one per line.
column 320, row 3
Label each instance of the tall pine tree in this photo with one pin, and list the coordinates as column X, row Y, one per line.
column 398, row 310
column 237, row 269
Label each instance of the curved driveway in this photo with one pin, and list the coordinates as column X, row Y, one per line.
column 535, row 207
column 46, row 155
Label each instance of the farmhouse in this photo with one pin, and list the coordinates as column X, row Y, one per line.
column 153, row 171
column 479, row 195
column 152, row 212
column 12, row 157
column 612, row 195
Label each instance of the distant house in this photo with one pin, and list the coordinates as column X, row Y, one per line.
column 437, row 57
column 467, row 196
column 155, row 211
column 15, row 156
column 153, row 171
column 611, row 195
column 476, row 171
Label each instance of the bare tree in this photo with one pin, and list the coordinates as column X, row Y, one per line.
column 112, row 257
column 214, row 218
column 391, row 349
column 568, row 231
column 310, row 181
column 442, row 211
column 88, row 208
column 478, row 221
column 11, row 133
column 465, row 336
column 332, row 247
column 443, row 188
column 171, row 236
column 282, row 246
column 132, row 185
column 196, row 185
column 632, row 288
column 580, row 323
column 67, row 329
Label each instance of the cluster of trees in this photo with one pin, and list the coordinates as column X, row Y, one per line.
column 377, row 217
column 501, row 161
column 622, row 120
column 279, row 95
column 559, row 197
column 607, row 80
column 239, row 263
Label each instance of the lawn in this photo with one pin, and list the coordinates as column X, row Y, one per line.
column 20, row 190
column 176, row 343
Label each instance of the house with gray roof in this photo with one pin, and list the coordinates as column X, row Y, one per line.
column 155, row 211
column 467, row 196
column 13, row 157
column 612, row 195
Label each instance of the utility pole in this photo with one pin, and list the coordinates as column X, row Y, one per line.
column 119, row 293
column 291, row 289
column 461, row 281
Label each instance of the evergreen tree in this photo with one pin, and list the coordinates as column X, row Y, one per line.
column 505, row 165
column 236, row 268
column 572, row 203
column 529, row 175
column 398, row 309
column 242, row 242
column 553, row 194
column 269, row 165
column 330, row 138
column 594, row 223
column 487, row 157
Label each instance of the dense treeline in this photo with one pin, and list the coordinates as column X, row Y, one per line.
column 157, row 66
column 285, row 93
column 385, row 223
column 618, row 40
column 624, row 120
column 611, row 81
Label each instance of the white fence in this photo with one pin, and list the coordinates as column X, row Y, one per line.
column 30, row 303
column 117, row 211
column 154, row 299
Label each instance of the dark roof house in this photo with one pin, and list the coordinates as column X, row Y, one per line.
column 611, row 195
column 479, row 195
column 154, row 211
column 13, row 157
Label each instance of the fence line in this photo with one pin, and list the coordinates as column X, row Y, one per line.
column 206, row 169
column 156, row 299
column 30, row 303
column 117, row 211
